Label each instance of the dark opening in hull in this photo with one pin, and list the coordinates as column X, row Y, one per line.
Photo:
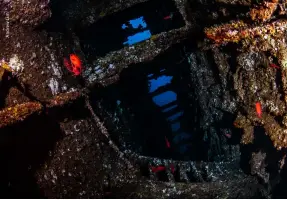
column 129, row 27
column 153, row 111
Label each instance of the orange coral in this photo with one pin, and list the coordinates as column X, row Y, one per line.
column 236, row 31
column 264, row 11
column 19, row 112
column 232, row 32
column 63, row 99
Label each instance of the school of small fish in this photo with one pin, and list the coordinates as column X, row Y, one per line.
column 162, row 168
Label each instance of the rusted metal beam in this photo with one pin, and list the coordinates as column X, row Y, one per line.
column 20, row 112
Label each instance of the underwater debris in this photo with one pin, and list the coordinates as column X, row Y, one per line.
column 18, row 113
column 30, row 13
column 14, row 65
column 272, row 128
column 232, row 32
column 238, row 30
column 264, row 11
column 255, row 80
column 236, row 2
column 248, row 135
column 258, row 165
column 268, row 37
column 54, row 86
column 63, row 99
column 282, row 8
column 2, row 71
column 5, row 66
column 53, row 63
column 277, row 133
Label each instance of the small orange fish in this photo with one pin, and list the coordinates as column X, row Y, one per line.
column 75, row 60
column 172, row 168
column 274, row 66
column 258, row 109
column 75, row 64
column 167, row 17
column 167, row 142
column 157, row 169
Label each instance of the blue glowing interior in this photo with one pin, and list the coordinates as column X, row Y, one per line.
column 140, row 24
column 164, row 99
column 159, row 82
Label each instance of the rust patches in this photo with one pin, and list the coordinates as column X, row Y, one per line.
column 248, row 135
column 237, row 31
column 264, row 11
column 63, row 99
column 19, row 113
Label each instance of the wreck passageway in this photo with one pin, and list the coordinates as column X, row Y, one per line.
column 155, row 103
column 129, row 27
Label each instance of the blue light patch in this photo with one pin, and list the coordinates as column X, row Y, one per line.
column 159, row 82
column 124, row 26
column 136, row 23
column 164, row 98
column 138, row 37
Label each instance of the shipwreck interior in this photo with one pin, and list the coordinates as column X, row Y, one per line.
column 155, row 105
column 153, row 110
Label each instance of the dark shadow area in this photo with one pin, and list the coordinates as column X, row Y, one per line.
column 8, row 81
column 280, row 191
column 24, row 147
column 270, row 163
column 208, row 13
